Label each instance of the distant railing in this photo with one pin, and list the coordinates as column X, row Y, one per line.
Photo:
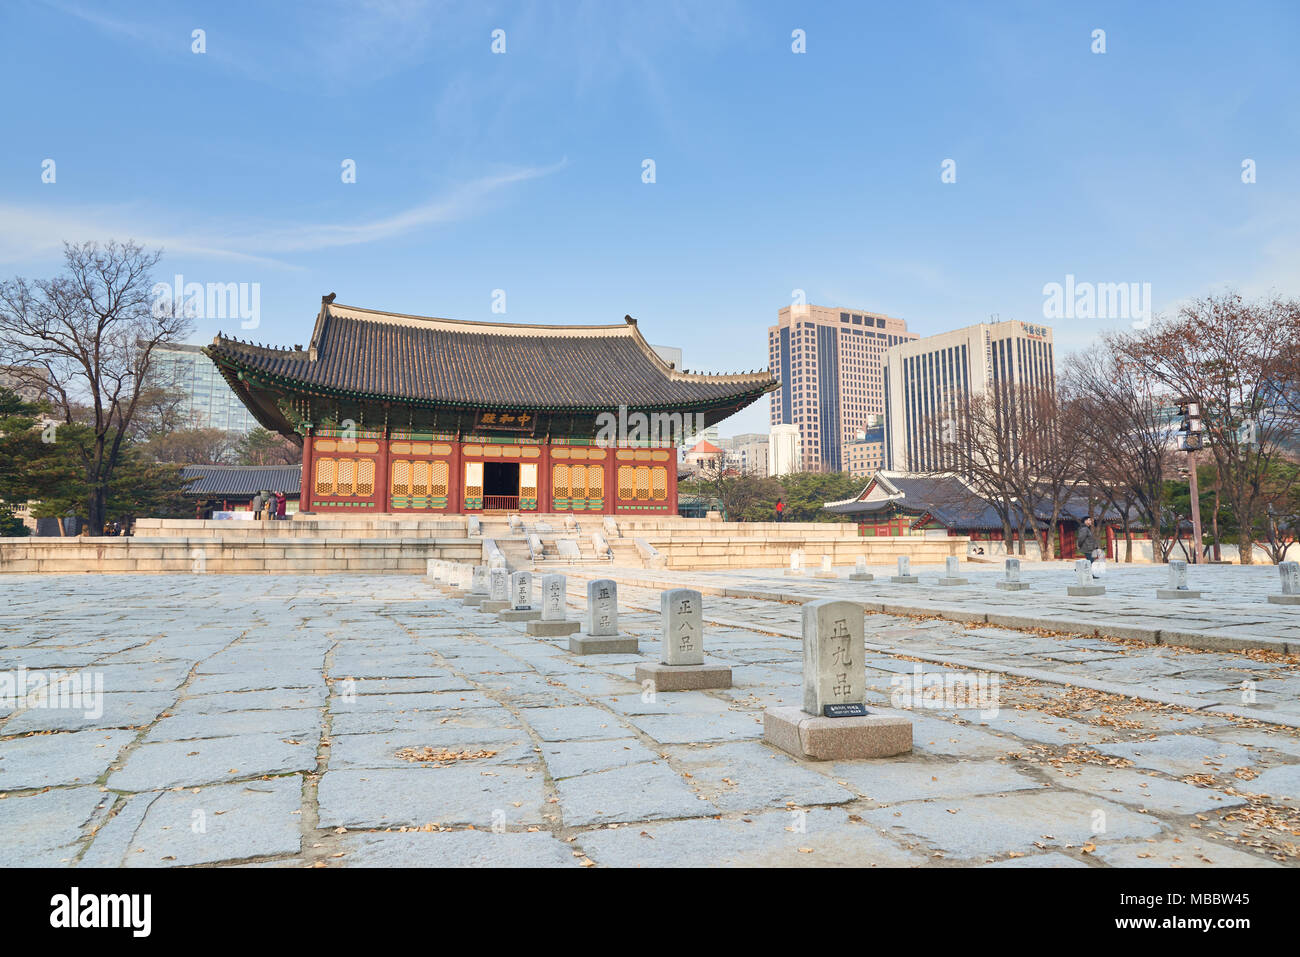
column 496, row 502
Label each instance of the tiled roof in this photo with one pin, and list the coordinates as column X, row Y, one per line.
column 361, row 352
column 243, row 479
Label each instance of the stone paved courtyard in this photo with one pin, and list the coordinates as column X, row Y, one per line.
column 252, row 720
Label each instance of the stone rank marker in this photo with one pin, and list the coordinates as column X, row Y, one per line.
column 904, row 576
column 835, row 680
column 952, row 572
column 1290, row 572
column 478, row 586
column 1087, row 585
column 1177, row 588
column 796, row 563
column 602, row 637
column 553, row 623
column 1012, row 580
column 498, row 599
column 683, row 667
column 860, row 573
column 827, row 570
column 521, row 599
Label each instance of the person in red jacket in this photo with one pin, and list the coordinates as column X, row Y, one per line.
column 780, row 509
column 280, row 501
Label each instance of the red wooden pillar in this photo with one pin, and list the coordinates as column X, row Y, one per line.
column 545, row 503
column 456, row 479
column 305, row 490
column 382, row 491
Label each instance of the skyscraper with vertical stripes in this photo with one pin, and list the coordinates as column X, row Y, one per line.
column 925, row 378
column 829, row 363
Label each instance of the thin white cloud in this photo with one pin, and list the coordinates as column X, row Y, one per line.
column 36, row 232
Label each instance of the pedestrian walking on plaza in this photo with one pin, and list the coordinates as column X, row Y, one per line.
column 780, row 509
column 281, row 502
column 255, row 506
column 1087, row 541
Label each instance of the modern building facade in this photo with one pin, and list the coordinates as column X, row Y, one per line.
column 747, row 453
column 407, row 414
column 927, row 379
column 829, row 363
column 207, row 401
column 865, row 455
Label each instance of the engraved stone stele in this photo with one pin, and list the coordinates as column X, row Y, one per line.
column 553, row 623
column 952, row 572
column 904, row 576
column 1290, row 572
column 498, row 591
column 521, row 599
column 796, row 563
column 1086, row 585
column 834, row 673
column 601, row 636
column 1177, row 588
column 860, row 573
column 682, row 667
column 827, row 570
column 1011, row 577
column 478, row 586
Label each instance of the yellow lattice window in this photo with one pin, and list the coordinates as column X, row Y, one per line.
column 401, row 478
column 419, row 479
column 560, row 481
column 346, row 477
column 626, row 481
column 643, row 483
column 578, row 480
column 439, row 480
column 366, row 477
column 659, row 484
column 325, row 476
column 595, row 482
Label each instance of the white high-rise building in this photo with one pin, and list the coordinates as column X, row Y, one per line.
column 783, row 450
column 927, row 377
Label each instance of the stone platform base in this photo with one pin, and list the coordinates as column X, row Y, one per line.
column 954, row 581
column 791, row 571
column 520, row 614
column 864, row 577
column 491, row 607
column 474, row 600
column 551, row 629
column 1013, row 586
column 904, row 579
column 1176, row 593
column 684, row 677
column 803, row 735
column 591, row 645
column 822, row 574
column 1084, row 591
column 1284, row 599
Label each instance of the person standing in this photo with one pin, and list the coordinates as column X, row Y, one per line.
column 281, row 503
column 1086, row 543
column 780, row 509
column 255, row 506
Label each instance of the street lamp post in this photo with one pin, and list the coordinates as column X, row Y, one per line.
column 1192, row 429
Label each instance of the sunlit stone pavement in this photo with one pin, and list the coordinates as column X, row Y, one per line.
column 268, row 720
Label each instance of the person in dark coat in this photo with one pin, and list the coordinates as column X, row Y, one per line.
column 281, row 503
column 1086, row 543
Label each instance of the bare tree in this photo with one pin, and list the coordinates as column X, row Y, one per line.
column 89, row 334
column 1236, row 359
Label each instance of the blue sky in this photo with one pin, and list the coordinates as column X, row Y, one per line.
column 775, row 171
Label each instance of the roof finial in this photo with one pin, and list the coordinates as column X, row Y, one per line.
column 327, row 300
column 629, row 320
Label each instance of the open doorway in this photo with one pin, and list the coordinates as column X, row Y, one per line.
column 500, row 485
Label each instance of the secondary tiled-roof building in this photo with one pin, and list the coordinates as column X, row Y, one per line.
column 401, row 413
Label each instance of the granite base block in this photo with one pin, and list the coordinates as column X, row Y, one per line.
column 904, row 579
column 593, row 645
column 1284, row 599
column 1084, row 591
column 803, row 735
column 521, row 614
column 551, row 629
column 683, row 677
column 954, row 581
column 1013, row 586
column 1173, row 594
column 864, row 577
column 490, row 607
column 474, row 600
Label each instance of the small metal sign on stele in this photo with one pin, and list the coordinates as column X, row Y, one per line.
column 844, row 711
